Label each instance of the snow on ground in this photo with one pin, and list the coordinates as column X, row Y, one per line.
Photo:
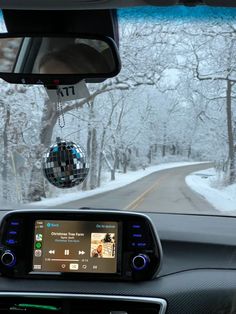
column 206, row 183
column 121, row 180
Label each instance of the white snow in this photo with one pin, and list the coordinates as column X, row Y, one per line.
column 121, row 180
column 206, row 183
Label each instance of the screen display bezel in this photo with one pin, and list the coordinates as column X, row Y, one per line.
column 28, row 267
column 68, row 273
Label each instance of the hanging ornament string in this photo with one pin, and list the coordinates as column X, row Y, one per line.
column 61, row 116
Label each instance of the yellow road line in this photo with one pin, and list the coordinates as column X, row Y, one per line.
column 139, row 200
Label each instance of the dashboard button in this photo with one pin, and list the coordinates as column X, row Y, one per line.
column 12, row 232
column 11, row 241
column 140, row 262
column 8, row 259
column 14, row 223
column 136, row 226
column 137, row 235
column 141, row 244
column 74, row 266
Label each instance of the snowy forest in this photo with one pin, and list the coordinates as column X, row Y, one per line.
column 174, row 100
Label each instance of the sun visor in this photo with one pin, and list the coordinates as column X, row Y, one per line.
column 221, row 3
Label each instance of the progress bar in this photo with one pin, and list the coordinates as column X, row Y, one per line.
column 62, row 260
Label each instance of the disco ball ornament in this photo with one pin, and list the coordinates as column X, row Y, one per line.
column 65, row 165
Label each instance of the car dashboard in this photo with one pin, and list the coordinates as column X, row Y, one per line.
column 152, row 263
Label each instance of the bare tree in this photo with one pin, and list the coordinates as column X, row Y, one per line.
column 226, row 76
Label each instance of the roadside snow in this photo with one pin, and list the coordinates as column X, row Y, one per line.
column 121, row 180
column 205, row 182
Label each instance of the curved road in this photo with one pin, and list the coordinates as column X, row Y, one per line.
column 162, row 191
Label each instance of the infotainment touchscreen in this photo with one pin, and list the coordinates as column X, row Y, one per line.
column 75, row 246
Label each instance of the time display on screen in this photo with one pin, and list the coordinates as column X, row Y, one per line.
column 75, row 246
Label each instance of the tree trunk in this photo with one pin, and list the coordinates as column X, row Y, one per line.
column 173, row 149
column 164, row 141
column 5, row 157
column 113, row 177
column 125, row 162
column 89, row 137
column 93, row 158
column 117, row 158
column 37, row 188
column 100, row 159
column 91, row 181
column 150, row 155
column 163, row 150
column 232, row 171
column 48, row 121
column 189, row 151
column 116, row 162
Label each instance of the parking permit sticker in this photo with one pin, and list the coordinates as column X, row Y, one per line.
column 68, row 92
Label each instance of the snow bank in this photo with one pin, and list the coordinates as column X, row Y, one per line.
column 204, row 182
column 121, row 180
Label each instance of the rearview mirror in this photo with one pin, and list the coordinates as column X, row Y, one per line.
column 58, row 60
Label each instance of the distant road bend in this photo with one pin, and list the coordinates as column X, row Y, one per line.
column 162, row 191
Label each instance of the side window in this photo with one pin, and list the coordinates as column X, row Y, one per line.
column 9, row 49
column 3, row 28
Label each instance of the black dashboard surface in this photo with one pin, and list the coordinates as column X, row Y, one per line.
column 198, row 274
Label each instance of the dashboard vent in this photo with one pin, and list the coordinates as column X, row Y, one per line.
column 115, row 307
column 74, row 304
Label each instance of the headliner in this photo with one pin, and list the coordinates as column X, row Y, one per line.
column 102, row 4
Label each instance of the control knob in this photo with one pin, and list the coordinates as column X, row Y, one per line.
column 140, row 262
column 8, row 259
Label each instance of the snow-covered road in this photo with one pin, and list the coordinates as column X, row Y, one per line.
column 67, row 196
column 159, row 191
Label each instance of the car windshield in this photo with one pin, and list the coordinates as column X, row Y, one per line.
column 159, row 137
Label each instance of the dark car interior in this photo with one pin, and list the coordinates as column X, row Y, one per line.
column 161, row 262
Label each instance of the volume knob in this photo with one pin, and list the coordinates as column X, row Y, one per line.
column 140, row 262
column 8, row 259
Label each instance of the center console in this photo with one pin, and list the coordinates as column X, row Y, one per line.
column 79, row 244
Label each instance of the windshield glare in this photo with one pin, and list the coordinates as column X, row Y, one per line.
column 159, row 137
